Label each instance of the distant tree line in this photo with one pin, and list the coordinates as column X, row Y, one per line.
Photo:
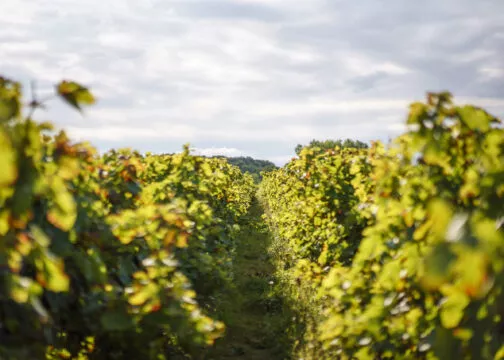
column 250, row 165
column 331, row 144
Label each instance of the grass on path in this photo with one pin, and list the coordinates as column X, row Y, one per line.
column 255, row 316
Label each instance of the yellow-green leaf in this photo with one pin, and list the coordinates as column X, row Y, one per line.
column 474, row 118
column 75, row 94
column 143, row 295
column 8, row 172
column 452, row 310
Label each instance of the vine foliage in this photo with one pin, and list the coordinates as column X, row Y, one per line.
column 108, row 256
column 397, row 250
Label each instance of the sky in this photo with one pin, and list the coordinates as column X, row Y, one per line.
column 252, row 77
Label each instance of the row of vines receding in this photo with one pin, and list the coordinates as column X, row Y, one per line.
column 111, row 256
column 397, row 252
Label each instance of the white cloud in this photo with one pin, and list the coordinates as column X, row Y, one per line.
column 361, row 65
column 231, row 152
column 16, row 12
column 257, row 76
column 492, row 73
column 117, row 39
column 16, row 48
column 120, row 133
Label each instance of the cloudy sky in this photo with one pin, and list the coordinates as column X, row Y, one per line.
column 252, row 77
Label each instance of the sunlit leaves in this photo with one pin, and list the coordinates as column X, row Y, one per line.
column 428, row 269
column 63, row 213
column 51, row 273
column 143, row 294
column 22, row 289
column 418, row 112
column 122, row 246
column 474, row 118
column 453, row 306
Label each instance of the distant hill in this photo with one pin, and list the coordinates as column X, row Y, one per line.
column 250, row 165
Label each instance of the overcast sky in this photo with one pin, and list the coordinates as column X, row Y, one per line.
column 252, row 77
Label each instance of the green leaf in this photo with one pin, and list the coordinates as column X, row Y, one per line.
column 10, row 99
column 9, row 108
column 418, row 111
column 207, row 170
column 63, row 214
column 8, row 173
column 50, row 269
column 20, row 288
column 145, row 293
column 39, row 236
column 75, row 94
column 441, row 213
column 474, row 118
column 452, row 310
column 472, row 274
column 500, row 353
column 57, row 279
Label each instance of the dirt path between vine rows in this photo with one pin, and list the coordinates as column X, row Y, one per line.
column 255, row 317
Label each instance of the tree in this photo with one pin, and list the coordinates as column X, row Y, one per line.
column 331, row 144
column 251, row 166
